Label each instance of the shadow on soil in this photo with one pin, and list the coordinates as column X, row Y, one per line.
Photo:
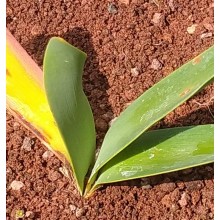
column 94, row 82
column 203, row 115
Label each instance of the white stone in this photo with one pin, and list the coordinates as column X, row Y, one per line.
column 134, row 71
column 157, row 18
column 205, row 35
column 16, row 185
column 156, row 64
column 27, row 143
column 47, row 154
column 192, row 28
column 64, row 171
column 72, row 207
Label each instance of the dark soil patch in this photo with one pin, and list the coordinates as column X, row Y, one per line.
column 130, row 48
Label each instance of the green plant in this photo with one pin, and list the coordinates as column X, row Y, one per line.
column 128, row 151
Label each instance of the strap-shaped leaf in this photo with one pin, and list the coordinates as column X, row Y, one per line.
column 161, row 151
column 63, row 69
column 26, row 98
column 154, row 104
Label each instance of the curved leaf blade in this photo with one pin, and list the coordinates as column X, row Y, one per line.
column 63, row 69
column 161, row 151
column 154, row 104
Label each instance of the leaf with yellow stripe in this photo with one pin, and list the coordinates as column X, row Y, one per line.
column 26, row 98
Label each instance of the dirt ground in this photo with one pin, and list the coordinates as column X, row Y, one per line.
column 131, row 45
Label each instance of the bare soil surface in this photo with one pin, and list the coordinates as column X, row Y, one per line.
column 131, row 45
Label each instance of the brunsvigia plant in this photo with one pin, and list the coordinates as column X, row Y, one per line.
column 65, row 122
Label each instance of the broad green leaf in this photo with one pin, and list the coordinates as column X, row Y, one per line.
column 161, row 151
column 154, row 104
column 63, row 69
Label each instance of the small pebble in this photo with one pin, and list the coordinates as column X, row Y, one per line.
column 9, row 11
column 16, row 185
column 29, row 214
column 134, row 71
column 112, row 9
column 36, row 30
column 80, row 212
column 174, row 207
column 156, row 64
column 211, row 215
column 27, row 143
column 192, row 29
column 183, row 200
column 54, row 175
column 64, row 171
column 205, row 35
column 171, row 5
column 16, row 126
column 47, row 154
column 157, row 18
column 8, row 170
column 72, row 207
